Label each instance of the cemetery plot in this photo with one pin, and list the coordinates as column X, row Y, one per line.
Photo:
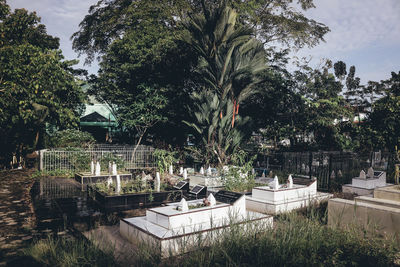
column 177, row 228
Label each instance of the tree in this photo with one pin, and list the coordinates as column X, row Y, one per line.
column 384, row 121
column 212, row 123
column 36, row 86
column 273, row 21
column 230, row 59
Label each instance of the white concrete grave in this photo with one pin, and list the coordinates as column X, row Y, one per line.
column 275, row 198
column 180, row 227
column 365, row 184
column 92, row 167
column 97, row 171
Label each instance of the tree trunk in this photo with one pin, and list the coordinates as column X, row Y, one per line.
column 141, row 134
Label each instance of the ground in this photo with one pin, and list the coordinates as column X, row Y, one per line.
column 17, row 218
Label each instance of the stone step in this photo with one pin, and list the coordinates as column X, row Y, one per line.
column 378, row 201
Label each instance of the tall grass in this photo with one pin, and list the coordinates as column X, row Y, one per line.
column 297, row 239
column 69, row 252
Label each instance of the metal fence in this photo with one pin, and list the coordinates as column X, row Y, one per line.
column 79, row 159
column 332, row 168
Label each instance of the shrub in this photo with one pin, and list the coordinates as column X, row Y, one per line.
column 72, row 138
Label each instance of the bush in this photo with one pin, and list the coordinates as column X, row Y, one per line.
column 72, row 138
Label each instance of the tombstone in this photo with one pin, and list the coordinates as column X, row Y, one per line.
column 114, row 168
column 263, row 174
column 171, row 170
column 209, row 171
column 271, row 174
column 307, row 169
column 185, row 175
column 370, row 173
column 110, row 167
column 181, row 170
column 253, row 171
column 97, row 171
column 275, row 183
column 362, row 175
column 118, row 184
column 333, row 175
column 290, row 181
column 303, row 167
column 258, row 164
column 183, row 206
column 109, row 181
column 339, row 174
column 211, row 200
column 202, row 170
column 157, row 182
column 145, row 179
column 92, row 167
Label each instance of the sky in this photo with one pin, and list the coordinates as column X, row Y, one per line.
column 364, row 33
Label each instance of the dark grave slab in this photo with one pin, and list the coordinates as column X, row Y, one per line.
column 228, row 197
column 182, row 185
column 198, row 191
column 87, row 178
column 134, row 200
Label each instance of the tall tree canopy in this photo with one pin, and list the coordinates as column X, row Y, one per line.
column 273, row 21
column 36, row 85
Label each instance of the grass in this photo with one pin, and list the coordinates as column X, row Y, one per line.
column 55, row 173
column 127, row 187
column 69, row 252
column 297, row 239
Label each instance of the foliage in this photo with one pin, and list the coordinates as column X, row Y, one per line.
column 127, row 187
column 110, row 157
column 55, row 173
column 72, row 138
column 164, row 159
column 70, row 252
column 384, row 120
column 240, row 177
column 275, row 21
column 36, row 86
column 214, row 129
column 140, row 44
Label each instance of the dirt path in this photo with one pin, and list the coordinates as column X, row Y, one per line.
column 17, row 218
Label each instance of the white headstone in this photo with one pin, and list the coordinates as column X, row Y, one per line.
column 185, row 174
column 114, row 168
column 333, row 175
column 275, row 183
column 181, row 170
column 118, row 184
column 212, row 200
column 202, row 170
column 303, row 166
column 362, row 175
column 370, row 172
column 253, row 171
column 290, row 181
column 263, row 174
column 183, row 206
column 339, row 173
column 92, row 167
column 157, row 182
column 97, row 172
column 209, row 171
column 109, row 181
column 171, row 170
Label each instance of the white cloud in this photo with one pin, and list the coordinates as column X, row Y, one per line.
column 357, row 24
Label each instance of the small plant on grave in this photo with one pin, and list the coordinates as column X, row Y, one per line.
column 239, row 177
column 55, row 173
column 164, row 159
column 110, row 157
